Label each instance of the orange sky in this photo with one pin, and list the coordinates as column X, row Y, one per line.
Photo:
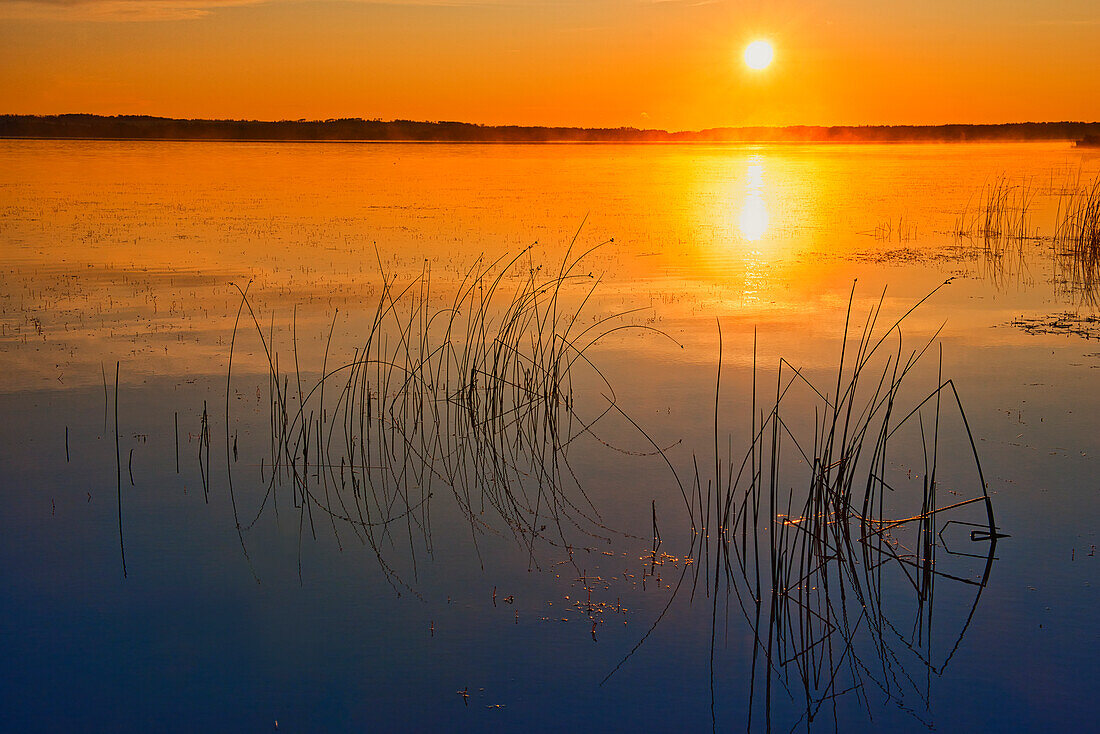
column 673, row 64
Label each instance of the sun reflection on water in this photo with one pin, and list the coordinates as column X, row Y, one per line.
column 753, row 221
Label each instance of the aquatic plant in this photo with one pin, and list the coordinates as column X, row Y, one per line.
column 471, row 396
column 813, row 534
column 998, row 229
column 807, row 539
column 902, row 230
column 1001, row 215
column 1077, row 240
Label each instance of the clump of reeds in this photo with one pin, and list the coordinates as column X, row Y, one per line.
column 468, row 394
column 997, row 228
column 1001, row 215
column 1077, row 240
column 809, row 524
column 901, row 230
column 804, row 530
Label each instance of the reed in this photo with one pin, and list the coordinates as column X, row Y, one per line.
column 901, row 230
column 998, row 229
column 118, row 478
column 1077, row 241
column 472, row 398
column 469, row 396
column 804, row 531
column 1001, row 215
column 808, row 525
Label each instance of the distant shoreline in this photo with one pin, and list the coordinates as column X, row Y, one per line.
column 136, row 128
column 656, row 143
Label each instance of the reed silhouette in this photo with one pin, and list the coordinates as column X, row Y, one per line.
column 813, row 534
column 1077, row 241
column 471, row 397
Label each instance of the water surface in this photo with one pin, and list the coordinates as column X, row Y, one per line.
column 131, row 254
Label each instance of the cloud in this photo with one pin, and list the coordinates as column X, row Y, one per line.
column 114, row 10
column 1071, row 22
column 149, row 10
column 143, row 10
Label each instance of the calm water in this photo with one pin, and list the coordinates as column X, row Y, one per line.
column 506, row 569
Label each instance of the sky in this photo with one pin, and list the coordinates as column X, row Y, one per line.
column 670, row 64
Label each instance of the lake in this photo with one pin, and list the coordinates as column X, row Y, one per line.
column 321, row 437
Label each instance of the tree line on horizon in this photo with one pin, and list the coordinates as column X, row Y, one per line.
column 144, row 127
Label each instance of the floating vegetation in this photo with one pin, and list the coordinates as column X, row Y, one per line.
column 910, row 255
column 1075, row 324
column 831, row 532
column 472, row 398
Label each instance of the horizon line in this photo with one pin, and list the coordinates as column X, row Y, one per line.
column 91, row 126
column 538, row 126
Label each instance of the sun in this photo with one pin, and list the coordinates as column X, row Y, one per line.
column 758, row 55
